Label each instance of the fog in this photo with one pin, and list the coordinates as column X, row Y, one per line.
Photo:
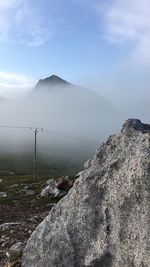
column 74, row 122
column 75, row 112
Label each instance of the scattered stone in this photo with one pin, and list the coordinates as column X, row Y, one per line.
column 16, row 250
column 7, row 254
column 57, row 188
column 50, row 190
column 5, row 226
column 1, row 180
column 15, row 213
column 27, row 187
column 30, row 193
column 14, row 185
column 3, row 194
column 104, row 219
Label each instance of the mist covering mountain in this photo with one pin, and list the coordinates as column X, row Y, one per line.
column 78, row 107
column 75, row 120
column 72, row 110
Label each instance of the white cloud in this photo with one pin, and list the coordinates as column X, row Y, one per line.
column 22, row 21
column 128, row 21
column 12, row 84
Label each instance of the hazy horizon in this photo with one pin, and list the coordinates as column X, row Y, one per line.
column 101, row 47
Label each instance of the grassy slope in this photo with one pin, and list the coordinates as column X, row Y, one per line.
column 23, row 164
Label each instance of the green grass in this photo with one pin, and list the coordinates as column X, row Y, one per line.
column 16, row 194
column 22, row 164
column 21, row 167
column 16, row 173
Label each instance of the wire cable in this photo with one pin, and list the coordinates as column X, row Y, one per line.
column 50, row 131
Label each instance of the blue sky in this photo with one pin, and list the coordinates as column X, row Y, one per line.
column 100, row 44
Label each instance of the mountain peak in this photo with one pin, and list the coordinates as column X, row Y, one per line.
column 51, row 81
column 55, row 79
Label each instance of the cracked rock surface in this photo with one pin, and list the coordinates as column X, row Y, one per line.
column 104, row 221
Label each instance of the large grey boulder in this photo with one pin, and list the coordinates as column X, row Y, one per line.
column 104, row 221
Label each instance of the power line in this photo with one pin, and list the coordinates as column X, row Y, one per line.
column 51, row 131
column 17, row 127
column 36, row 130
column 72, row 137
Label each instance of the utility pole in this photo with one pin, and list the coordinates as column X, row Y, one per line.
column 36, row 131
column 35, row 150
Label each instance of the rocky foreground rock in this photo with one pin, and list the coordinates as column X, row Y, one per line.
column 104, row 221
